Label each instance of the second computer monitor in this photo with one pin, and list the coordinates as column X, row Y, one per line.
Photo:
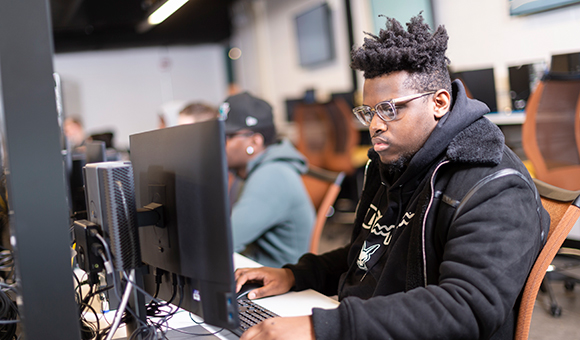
column 184, row 169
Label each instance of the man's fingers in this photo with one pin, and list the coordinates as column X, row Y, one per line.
column 250, row 333
column 260, row 292
column 242, row 276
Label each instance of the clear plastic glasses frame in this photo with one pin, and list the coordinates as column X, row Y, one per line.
column 386, row 110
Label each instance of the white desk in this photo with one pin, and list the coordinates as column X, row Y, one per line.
column 291, row 303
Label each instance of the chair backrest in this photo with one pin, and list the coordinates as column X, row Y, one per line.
column 564, row 209
column 323, row 186
column 551, row 131
column 327, row 134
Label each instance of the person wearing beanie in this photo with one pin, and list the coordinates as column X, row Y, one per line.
column 273, row 216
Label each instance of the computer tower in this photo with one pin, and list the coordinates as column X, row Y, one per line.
column 110, row 196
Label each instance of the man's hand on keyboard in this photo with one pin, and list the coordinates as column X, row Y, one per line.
column 276, row 280
column 294, row 328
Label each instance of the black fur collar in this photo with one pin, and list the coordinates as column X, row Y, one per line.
column 480, row 143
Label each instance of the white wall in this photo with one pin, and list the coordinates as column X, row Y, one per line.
column 266, row 33
column 483, row 34
column 123, row 90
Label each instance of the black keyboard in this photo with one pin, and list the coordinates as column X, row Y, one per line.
column 251, row 314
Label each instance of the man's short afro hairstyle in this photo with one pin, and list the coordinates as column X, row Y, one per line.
column 415, row 50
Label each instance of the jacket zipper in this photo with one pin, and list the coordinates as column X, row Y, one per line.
column 425, row 220
column 364, row 184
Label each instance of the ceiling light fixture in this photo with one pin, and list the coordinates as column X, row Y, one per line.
column 165, row 11
column 160, row 14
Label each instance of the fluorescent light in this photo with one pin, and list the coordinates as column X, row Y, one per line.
column 165, row 11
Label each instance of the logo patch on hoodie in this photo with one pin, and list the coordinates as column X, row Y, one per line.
column 365, row 255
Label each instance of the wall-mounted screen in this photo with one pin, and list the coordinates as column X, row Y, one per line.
column 521, row 7
column 314, row 32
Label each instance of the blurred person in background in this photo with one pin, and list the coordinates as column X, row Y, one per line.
column 74, row 132
column 273, row 216
column 197, row 112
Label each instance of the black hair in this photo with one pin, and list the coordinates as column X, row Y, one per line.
column 415, row 50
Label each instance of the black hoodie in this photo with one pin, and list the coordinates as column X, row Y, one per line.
column 466, row 225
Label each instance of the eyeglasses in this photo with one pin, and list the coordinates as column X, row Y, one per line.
column 386, row 110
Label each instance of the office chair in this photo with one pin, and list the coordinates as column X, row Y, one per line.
column 550, row 138
column 564, row 209
column 327, row 134
column 323, row 186
column 551, row 130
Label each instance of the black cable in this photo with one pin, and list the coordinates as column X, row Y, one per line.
column 96, row 292
column 88, row 330
column 9, row 316
column 85, row 301
column 174, row 290
column 154, row 306
column 158, row 280
column 147, row 332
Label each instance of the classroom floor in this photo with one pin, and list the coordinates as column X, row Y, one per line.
column 544, row 326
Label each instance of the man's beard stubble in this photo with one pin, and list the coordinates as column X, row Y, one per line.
column 395, row 168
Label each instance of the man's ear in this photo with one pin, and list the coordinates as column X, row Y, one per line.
column 257, row 140
column 442, row 100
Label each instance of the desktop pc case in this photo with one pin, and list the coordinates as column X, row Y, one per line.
column 110, row 201
column 110, row 197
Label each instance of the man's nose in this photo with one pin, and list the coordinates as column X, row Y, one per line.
column 377, row 125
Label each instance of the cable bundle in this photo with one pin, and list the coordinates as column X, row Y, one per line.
column 9, row 317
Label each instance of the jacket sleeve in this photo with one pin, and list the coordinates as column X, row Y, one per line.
column 320, row 272
column 490, row 248
column 263, row 202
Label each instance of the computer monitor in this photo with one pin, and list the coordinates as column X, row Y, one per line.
column 183, row 168
column 480, row 85
column 565, row 63
column 523, row 80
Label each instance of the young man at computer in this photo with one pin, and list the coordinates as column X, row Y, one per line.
column 449, row 222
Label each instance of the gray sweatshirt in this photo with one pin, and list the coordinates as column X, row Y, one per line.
column 273, row 217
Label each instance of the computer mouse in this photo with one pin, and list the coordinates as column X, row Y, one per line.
column 247, row 287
